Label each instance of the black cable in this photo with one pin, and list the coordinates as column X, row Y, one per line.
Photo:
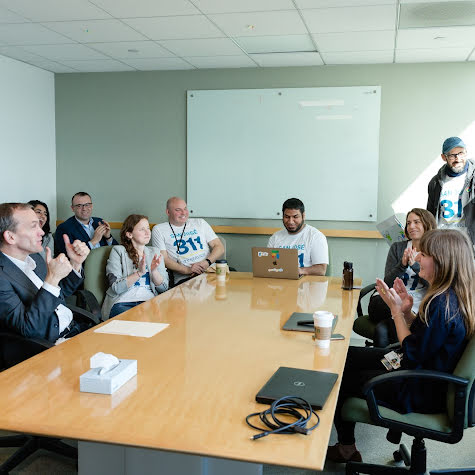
column 288, row 405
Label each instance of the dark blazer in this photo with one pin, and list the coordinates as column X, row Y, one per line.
column 26, row 310
column 74, row 230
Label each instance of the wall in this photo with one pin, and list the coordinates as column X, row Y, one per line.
column 27, row 134
column 122, row 137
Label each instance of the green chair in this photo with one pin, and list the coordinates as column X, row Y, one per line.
column 447, row 426
column 363, row 325
column 95, row 281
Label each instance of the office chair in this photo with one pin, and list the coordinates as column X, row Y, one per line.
column 447, row 426
column 14, row 349
column 363, row 325
column 95, row 282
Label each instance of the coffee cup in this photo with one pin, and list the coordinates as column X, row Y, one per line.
column 323, row 323
column 221, row 270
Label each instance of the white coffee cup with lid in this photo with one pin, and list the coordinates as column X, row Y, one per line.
column 323, row 323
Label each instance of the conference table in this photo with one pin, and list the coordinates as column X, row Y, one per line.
column 185, row 410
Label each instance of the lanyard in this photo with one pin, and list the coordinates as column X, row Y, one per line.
column 178, row 242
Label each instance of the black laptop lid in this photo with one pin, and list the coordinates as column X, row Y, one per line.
column 313, row 386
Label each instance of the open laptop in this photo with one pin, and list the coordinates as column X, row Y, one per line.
column 313, row 386
column 275, row 262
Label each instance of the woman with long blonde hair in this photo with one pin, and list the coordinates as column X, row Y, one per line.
column 434, row 339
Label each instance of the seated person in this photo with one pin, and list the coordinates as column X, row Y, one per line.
column 434, row 339
column 32, row 291
column 95, row 232
column 311, row 243
column 401, row 262
column 189, row 246
column 42, row 211
column 136, row 273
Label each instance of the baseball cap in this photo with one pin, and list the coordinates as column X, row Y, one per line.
column 451, row 143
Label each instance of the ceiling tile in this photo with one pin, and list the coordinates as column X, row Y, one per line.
column 55, row 10
column 260, row 23
column 328, row 20
column 276, row 44
column 99, row 66
column 358, row 57
column 355, row 41
column 131, row 49
column 432, row 55
column 16, row 52
column 29, row 34
column 236, row 6
column 287, row 59
column 65, row 52
column 207, row 62
column 341, row 3
column 202, row 47
column 53, row 66
column 175, row 27
column 155, row 64
column 7, row 16
column 433, row 38
column 146, row 8
column 95, row 31
column 434, row 14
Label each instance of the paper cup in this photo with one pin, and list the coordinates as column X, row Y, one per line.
column 323, row 322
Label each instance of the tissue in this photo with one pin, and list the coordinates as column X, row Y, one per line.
column 105, row 361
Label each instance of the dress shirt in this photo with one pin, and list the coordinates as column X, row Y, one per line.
column 28, row 266
column 90, row 232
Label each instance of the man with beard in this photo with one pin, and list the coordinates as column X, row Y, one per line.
column 452, row 191
column 310, row 242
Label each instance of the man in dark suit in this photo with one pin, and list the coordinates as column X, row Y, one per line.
column 32, row 292
column 95, row 232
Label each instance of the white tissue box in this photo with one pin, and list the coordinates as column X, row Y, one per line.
column 110, row 381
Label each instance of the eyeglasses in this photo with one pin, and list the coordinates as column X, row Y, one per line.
column 454, row 156
column 85, row 205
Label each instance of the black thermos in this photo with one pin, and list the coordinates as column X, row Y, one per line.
column 347, row 283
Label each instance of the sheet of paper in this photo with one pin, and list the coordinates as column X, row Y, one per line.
column 124, row 327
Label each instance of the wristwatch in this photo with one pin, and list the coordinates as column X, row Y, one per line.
column 209, row 262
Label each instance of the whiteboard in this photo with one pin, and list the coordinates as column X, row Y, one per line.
column 248, row 150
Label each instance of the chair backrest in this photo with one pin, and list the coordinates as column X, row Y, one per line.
column 466, row 369
column 223, row 242
column 15, row 348
column 95, row 272
column 328, row 272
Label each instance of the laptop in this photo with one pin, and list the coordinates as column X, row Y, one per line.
column 313, row 386
column 275, row 263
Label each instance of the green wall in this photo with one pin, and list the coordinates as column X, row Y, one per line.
column 122, row 137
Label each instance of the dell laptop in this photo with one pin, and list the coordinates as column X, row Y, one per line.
column 275, row 263
column 313, row 386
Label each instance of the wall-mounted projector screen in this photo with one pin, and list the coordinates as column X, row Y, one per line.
column 249, row 150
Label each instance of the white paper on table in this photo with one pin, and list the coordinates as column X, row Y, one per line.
column 125, row 327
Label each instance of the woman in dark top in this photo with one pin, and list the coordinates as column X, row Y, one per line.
column 42, row 211
column 434, row 339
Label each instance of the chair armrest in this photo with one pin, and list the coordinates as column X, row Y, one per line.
column 364, row 291
column 15, row 348
column 89, row 302
column 459, row 402
column 85, row 314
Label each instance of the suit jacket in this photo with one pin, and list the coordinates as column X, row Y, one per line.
column 74, row 230
column 26, row 310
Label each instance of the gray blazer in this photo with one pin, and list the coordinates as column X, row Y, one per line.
column 119, row 266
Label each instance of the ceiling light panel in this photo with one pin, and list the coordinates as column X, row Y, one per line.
column 55, row 10
column 209, row 62
column 239, row 6
column 355, row 41
column 260, row 23
column 175, row 27
column 146, row 8
column 95, row 31
column 327, row 20
column 202, row 47
column 132, row 49
column 433, row 14
column 275, row 44
column 358, row 57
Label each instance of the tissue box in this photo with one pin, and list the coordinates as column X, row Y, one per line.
column 110, row 381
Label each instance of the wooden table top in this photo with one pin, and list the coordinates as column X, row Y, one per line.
column 197, row 379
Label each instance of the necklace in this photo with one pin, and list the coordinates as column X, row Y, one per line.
column 178, row 242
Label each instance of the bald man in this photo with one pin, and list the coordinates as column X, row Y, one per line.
column 189, row 246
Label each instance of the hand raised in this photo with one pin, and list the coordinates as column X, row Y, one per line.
column 155, row 262
column 142, row 266
column 99, row 233
column 58, row 268
column 77, row 251
column 406, row 300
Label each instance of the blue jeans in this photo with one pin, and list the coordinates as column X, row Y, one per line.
column 122, row 307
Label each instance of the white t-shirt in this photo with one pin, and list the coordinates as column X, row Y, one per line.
column 310, row 242
column 185, row 244
column 451, row 211
column 139, row 292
